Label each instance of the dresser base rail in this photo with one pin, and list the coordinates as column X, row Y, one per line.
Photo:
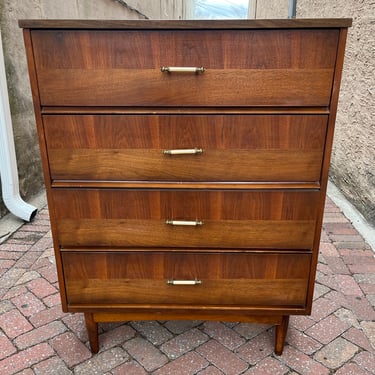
column 281, row 323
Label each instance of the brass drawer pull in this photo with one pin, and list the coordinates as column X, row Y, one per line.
column 184, row 222
column 182, row 69
column 184, row 151
column 184, row 282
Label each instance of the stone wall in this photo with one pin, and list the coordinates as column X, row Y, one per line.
column 26, row 144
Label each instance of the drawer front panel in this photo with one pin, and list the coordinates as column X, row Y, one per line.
column 127, row 72
column 202, row 219
column 145, row 278
column 234, row 147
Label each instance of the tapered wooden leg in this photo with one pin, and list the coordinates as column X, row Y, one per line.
column 281, row 331
column 92, row 330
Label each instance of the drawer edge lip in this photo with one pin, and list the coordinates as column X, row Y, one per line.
column 165, row 185
column 183, row 250
column 220, row 309
column 95, row 110
column 186, row 24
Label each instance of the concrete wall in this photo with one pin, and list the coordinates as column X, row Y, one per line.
column 353, row 158
column 27, row 149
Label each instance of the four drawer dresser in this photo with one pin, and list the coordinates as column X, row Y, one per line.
column 186, row 163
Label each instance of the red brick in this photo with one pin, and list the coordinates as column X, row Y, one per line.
column 327, row 329
column 226, row 336
column 28, row 304
column 301, row 322
column 357, row 337
column 53, row 365
column 222, row 358
column 327, row 249
column 302, row 363
column 53, row 300
column 210, row 370
column 339, row 298
column 336, row 353
column 366, row 361
column 40, row 334
column 41, row 288
column 327, row 280
column 250, row 330
column 257, row 348
column 153, row 331
column 116, row 336
column 188, row 364
column 49, row 273
column 323, row 307
column 324, row 268
column 348, row 286
column 70, row 349
column 43, row 244
column 14, row 292
column 346, row 238
column 180, row 326
column 268, row 366
column 27, row 371
column 28, row 259
column 6, row 346
column 333, row 228
column 14, row 247
column 129, row 368
column 302, row 342
column 351, row 369
column 334, row 218
column 361, row 307
column 6, row 264
column 367, row 288
column 183, row 343
column 368, row 267
column 8, row 255
column 337, row 265
column 76, row 323
column 145, row 353
column 46, row 316
column 26, row 358
column 103, row 362
column 14, row 324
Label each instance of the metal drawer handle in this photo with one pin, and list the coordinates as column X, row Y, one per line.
column 184, row 282
column 182, row 69
column 184, row 222
column 184, row 151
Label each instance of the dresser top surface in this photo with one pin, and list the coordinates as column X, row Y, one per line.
column 187, row 24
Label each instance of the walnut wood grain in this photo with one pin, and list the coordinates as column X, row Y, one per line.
column 235, row 148
column 141, row 278
column 277, row 220
column 268, row 71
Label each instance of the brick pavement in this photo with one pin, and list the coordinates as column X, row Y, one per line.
column 338, row 338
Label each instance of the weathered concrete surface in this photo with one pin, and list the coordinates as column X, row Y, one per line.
column 26, row 144
column 270, row 8
column 353, row 159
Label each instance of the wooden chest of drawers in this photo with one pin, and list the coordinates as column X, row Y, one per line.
column 186, row 163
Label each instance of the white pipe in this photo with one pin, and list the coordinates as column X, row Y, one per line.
column 8, row 164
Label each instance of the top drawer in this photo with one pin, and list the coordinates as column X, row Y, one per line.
column 242, row 67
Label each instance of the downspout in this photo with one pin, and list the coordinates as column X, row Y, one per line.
column 8, row 164
column 292, row 9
